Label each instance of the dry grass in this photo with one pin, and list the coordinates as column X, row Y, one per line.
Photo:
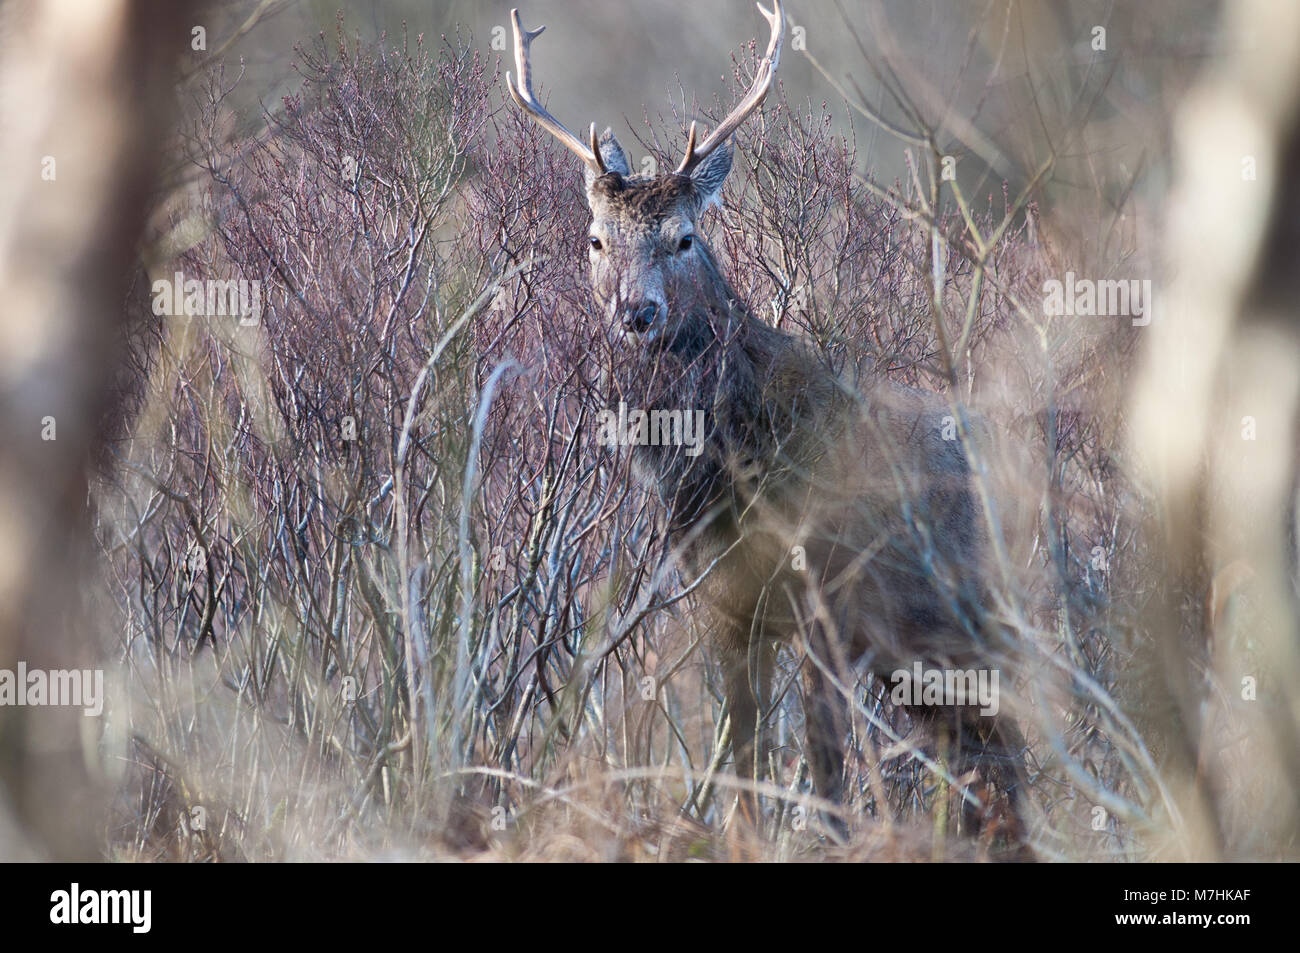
column 380, row 594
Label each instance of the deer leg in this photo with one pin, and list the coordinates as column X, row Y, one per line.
column 745, row 685
column 996, row 752
column 826, row 723
column 1010, row 747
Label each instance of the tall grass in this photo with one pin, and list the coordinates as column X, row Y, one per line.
column 379, row 591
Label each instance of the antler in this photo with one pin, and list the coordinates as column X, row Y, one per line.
column 763, row 79
column 524, row 96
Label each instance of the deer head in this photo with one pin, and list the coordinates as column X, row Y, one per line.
column 649, row 265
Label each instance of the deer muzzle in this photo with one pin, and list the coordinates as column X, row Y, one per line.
column 640, row 316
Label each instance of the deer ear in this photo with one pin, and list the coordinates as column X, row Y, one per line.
column 711, row 173
column 612, row 154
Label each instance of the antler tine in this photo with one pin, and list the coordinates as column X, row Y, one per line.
column 758, row 90
column 523, row 95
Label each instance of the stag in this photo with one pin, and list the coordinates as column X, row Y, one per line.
column 837, row 512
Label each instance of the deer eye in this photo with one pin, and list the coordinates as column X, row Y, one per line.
column 686, row 242
column 595, row 242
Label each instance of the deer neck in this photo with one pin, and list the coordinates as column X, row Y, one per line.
column 762, row 397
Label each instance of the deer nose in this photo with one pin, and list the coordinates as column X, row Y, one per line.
column 641, row 317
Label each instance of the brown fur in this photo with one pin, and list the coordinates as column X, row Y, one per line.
column 853, row 479
column 860, row 477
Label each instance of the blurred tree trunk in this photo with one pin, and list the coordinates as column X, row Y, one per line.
column 84, row 92
column 1215, row 418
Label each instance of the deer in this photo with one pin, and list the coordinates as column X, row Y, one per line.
column 830, row 511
